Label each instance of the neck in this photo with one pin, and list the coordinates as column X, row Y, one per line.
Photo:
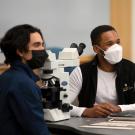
column 105, row 66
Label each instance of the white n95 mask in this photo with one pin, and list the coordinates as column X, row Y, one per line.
column 113, row 54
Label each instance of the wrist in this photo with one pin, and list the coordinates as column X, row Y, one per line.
column 84, row 114
column 88, row 113
column 119, row 109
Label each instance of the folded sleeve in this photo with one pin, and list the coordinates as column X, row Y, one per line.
column 77, row 111
column 130, row 107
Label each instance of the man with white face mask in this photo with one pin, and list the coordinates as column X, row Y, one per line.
column 113, row 54
column 104, row 85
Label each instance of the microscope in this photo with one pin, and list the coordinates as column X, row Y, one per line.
column 56, row 83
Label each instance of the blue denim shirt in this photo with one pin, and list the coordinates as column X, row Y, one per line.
column 21, row 111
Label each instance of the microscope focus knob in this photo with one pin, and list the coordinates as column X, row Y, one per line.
column 66, row 107
column 65, row 96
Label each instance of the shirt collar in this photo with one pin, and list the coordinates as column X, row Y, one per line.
column 24, row 67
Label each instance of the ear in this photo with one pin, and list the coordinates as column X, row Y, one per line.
column 96, row 50
column 19, row 53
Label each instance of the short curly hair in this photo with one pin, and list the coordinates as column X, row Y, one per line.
column 96, row 33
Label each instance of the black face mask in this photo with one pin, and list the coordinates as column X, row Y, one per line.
column 38, row 59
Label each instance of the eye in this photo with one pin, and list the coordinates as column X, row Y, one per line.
column 109, row 44
column 38, row 44
column 43, row 44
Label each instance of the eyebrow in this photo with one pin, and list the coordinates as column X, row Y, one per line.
column 39, row 43
column 111, row 41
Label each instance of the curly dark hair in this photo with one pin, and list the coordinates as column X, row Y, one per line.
column 96, row 33
column 15, row 38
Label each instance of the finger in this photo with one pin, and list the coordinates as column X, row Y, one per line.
column 114, row 108
column 102, row 111
column 109, row 107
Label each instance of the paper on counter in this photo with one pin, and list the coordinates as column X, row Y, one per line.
column 112, row 125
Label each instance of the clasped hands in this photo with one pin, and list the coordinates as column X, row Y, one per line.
column 101, row 110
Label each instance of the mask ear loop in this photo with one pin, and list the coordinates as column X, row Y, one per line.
column 103, row 54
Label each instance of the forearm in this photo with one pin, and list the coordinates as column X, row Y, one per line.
column 101, row 110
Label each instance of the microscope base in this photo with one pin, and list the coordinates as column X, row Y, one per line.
column 55, row 115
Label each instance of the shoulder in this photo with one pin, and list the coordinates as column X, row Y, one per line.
column 86, row 65
column 76, row 72
column 127, row 63
column 17, row 76
column 19, row 85
column 16, row 80
column 126, row 67
column 90, row 66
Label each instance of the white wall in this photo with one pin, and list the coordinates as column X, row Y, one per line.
column 61, row 21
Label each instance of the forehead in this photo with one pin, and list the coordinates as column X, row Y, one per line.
column 36, row 41
column 34, row 37
column 109, row 36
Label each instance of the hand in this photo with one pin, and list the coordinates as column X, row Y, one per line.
column 101, row 110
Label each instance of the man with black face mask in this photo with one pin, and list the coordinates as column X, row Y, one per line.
column 106, row 84
column 21, row 111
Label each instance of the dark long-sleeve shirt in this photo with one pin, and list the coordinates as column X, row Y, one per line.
column 21, row 111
